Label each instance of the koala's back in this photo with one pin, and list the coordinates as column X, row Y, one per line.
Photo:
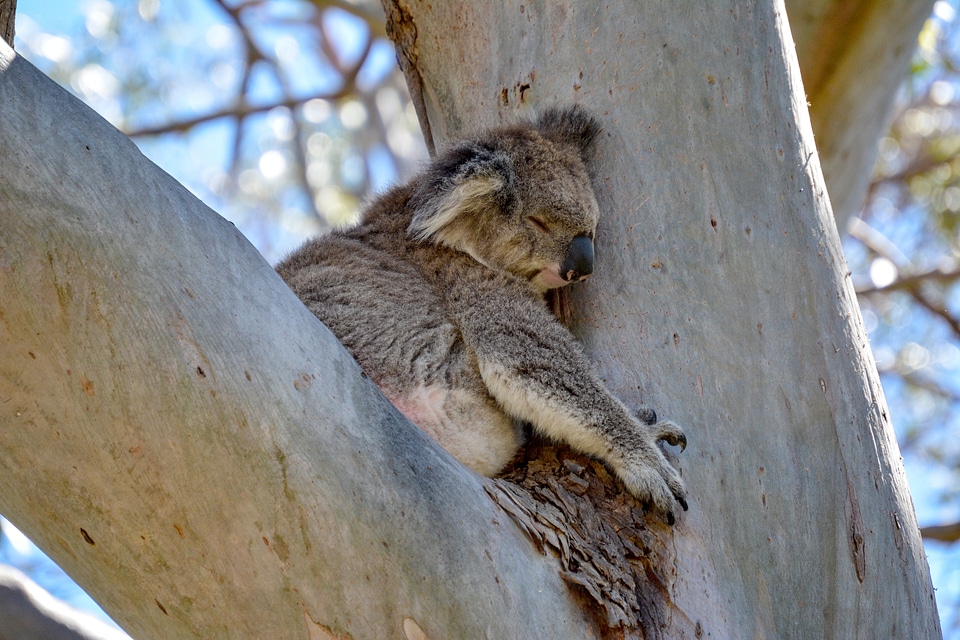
column 367, row 285
column 377, row 303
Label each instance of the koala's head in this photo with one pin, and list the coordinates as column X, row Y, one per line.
column 517, row 198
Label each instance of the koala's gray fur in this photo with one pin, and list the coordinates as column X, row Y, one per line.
column 439, row 294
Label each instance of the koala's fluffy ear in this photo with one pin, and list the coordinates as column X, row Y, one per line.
column 569, row 125
column 467, row 178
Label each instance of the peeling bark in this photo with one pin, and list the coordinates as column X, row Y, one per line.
column 402, row 30
column 609, row 551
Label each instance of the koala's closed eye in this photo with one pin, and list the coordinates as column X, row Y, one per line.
column 438, row 294
column 538, row 224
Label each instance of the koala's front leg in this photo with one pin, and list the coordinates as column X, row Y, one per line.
column 535, row 369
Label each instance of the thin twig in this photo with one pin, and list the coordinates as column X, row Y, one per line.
column 938, row 309
column 240, row 110
column 912, row 282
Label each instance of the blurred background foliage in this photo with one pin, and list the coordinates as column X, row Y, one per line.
column 281, row 115
column 903, row 251
column 284, row 115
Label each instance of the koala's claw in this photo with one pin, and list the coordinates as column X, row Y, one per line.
column 670, row 433
column 676, row 440
column 657, row 485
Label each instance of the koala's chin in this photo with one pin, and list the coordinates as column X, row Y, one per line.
column 549, row 278
column 465, row 347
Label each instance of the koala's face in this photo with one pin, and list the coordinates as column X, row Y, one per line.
column 517, row 199
column 553, row 219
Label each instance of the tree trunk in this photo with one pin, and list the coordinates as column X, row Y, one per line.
column 192, row 446
column 722, row 297
column 8, row 18
column 854, row 56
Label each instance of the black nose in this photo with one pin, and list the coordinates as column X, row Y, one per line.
column 579, row 261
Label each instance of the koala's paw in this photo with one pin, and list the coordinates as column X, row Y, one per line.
column 648, row 475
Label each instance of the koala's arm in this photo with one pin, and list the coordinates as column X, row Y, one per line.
column 533, row 366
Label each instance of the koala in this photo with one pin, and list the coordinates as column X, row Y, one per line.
column 438, row 293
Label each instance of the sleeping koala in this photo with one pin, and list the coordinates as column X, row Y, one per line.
column 439, row 295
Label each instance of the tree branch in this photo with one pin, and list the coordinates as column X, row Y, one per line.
column 942, row 532
column 239, row 111
column 660, row 317
column 373, row 18
column 174, row 422
column 913, row 282
column 28, row 612
column 938, row 309
column 853, row 58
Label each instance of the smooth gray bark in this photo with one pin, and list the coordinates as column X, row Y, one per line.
column 722, row 297
column 192, row 446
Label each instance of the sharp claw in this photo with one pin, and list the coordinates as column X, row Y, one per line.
column 683, row 503
column 670, row 519
column 676, row 441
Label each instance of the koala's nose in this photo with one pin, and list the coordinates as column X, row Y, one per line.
column 579, row 261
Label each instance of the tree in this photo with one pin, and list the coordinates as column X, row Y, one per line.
column 146, row 344
column 854, row 57
column 29, row 612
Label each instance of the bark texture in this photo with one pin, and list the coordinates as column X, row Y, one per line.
column 198, row 452
column 8, row 19
column 722, row 299
column 609, row 551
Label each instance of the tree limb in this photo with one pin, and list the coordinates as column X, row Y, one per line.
column 182, row 436
column 942, row 532
column 913, row 281
column 239, row 111
column 30, row 613
column 722, row 302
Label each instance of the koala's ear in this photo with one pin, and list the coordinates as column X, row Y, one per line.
column 569, row 125
column 466, row 179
